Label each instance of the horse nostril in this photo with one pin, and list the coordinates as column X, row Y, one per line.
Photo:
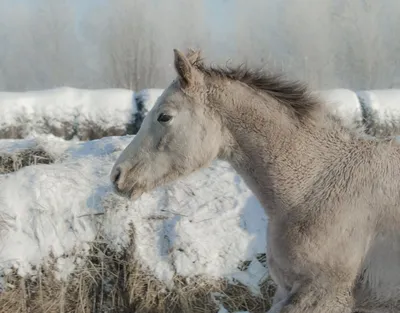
column 117, row 175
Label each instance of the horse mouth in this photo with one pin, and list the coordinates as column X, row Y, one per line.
column 135, row 194
column 132, row 194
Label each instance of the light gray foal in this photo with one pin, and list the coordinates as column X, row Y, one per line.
column 332, row 197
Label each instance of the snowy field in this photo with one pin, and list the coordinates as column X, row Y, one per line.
column 206, row 228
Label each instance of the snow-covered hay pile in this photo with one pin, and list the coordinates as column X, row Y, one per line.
column 16, row 154
column 376, row 112
column 69, row 244
column 66, row 112
column 381, row 111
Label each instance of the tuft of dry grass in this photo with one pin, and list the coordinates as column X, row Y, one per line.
column 85, row 130
column 110, row 282
column 13, row 162
column 238, row 298
column 42, row 292
column 90, row 130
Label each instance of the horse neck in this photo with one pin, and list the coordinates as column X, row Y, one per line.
column 277, row 157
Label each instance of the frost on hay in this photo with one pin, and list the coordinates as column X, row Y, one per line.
column 106, row 281
column 40, row 149
column 66, row 112
column 13, row 162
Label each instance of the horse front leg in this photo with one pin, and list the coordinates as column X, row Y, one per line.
column 280, row 294
column 279, row 300
column 316, row 297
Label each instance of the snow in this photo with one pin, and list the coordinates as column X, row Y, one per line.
column 53, row 145
column 382, row 110
column 37, row 222
column 206, row 224
column 65, row 108
column 10, row 146
column 344, row 104
column 146, row 98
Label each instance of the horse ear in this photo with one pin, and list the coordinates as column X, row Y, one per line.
column 184, row 68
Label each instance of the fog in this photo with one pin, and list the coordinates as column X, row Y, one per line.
column 128, row 43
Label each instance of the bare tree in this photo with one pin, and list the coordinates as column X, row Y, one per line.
column 307, row 41
column 15, row 67
column 43, row 50
column 128, row 47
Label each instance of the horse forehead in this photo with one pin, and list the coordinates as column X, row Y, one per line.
column 171, row 95
column 177, row 102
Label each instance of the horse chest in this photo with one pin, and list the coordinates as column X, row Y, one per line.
column 295, row 253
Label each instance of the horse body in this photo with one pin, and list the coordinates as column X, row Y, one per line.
column 332, row 196
column 332, row 203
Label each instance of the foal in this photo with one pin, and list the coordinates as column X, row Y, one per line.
column 332, row 197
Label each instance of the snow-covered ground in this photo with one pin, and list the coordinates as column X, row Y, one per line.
column 204, row 225
column 344, row 104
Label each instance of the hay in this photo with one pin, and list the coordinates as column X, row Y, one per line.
column 12, row 162
column 44, row 293
column 84, row 130
column 110, row 282
column 90, row 130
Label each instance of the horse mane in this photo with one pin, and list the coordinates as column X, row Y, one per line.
column 292, row 94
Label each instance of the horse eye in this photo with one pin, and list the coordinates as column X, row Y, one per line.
column 164, row 118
